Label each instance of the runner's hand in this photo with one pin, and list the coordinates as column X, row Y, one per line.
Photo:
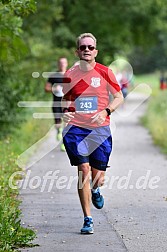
column 68, row 116
column 100, row 117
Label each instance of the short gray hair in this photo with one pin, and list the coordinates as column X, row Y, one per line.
column 85, row 35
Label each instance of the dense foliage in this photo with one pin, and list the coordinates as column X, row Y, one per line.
column 12, row 50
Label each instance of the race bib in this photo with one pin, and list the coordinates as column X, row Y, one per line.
column 87, row 104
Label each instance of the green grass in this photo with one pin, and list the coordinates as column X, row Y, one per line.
column 12, row 234
column 151, row 79
column 155, row 118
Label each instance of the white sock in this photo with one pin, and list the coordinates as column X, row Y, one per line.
column 96, row 190
column 90, row 217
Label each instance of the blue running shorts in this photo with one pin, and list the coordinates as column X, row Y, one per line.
column 91, row 146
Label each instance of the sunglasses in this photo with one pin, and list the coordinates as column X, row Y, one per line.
column 83, row 47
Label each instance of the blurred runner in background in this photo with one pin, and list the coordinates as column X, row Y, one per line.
column 54, row 86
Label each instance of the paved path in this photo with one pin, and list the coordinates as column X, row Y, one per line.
column 133, row 219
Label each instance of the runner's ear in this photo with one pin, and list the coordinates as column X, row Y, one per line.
column 96, row 53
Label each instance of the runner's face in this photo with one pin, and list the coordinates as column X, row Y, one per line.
column 87, row 54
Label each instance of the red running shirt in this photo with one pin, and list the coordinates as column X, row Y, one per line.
column 88, row 92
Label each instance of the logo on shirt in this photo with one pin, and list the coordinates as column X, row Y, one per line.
column 95, row 82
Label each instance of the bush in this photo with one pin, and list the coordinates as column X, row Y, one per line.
column 12, row 234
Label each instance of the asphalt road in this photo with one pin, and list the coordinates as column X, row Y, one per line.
column 134, row 217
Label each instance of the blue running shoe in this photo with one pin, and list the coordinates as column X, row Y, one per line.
column 87, row 226
column 97, row 200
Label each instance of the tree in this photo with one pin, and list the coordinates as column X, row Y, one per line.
column 11, row 51
column 119, row 25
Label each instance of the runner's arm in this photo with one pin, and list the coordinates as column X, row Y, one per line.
column 117, row 101
column 67, row 116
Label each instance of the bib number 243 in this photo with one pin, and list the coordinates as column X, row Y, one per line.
column 86, row 104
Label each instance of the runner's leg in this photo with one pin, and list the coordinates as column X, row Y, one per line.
column 84, row 188
column 97, row 178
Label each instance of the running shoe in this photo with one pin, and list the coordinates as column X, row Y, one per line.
column 59, row 137
column 97, row 200
column 87, row 226
column 59, row 134
column 62, row 147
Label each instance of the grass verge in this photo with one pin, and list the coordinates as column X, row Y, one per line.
column 155, row 118
column 151, row 79
column 12, row 234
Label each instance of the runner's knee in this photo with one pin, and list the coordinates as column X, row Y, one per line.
column 84, row 171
